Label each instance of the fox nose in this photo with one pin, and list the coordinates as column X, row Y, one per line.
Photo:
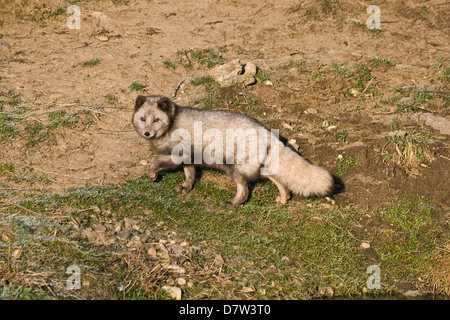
column 146, row 134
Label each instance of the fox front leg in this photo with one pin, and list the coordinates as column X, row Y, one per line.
column 164, row 162
column 186, row 186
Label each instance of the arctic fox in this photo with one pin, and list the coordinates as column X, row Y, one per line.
column 162, row 122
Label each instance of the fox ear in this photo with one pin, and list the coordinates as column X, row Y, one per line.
column 165, row 104
column 139, row 102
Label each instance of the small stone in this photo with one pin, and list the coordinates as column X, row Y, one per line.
column 412, row 294
column 268, row 83
column 311, row 111
column 125, row 235
column 151, row 252
column 143, row 162
column 174, row 292
column 103, row 38
column 354, row 92
column 326, row 291
column 330, row 128
column 180, row 281
column 5, row 44
column 364, row 245
column 399, row 133
column 176, row 268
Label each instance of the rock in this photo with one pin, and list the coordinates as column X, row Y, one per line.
column 354, row 92
column 330, row 128
column 180, row 281
column 124, row 234
column 439, row 123
column 103, row 38
column 234, row 72
column 412, row 294
column 5, row 44
column 364, row 245
column 151, row 252
column 399, row 133
column 268, row 83
column 176, row 268
column 174, row 292
column 143, row 162
column 127, row 234
column 326, row 291
column 311, row 111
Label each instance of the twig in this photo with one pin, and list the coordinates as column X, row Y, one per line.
column 293, row 89
column 19, row 206
column 367, row 86
column 187, row 57
column 444, row 157
column 177, row 88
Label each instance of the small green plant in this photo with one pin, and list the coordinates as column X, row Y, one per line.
column 60, row 118
column 111, row 99
column 136, row 86
column 345, row 162
column 206, row 57
column 381, row 63
column 445, row 74
column 169, row 64
column 203, row 80
column 342, row 135
column 262, row 76
column 406, row 152
column 91, row 63
column 421, row 96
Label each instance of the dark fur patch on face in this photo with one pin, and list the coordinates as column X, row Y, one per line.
column 139, row 102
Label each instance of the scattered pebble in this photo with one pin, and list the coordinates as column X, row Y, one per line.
column 311, row 111
column 173, row 292
column 364, row 245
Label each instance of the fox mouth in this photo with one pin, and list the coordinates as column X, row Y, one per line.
column 149, row 135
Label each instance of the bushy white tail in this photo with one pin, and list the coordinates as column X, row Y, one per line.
column 302, row 177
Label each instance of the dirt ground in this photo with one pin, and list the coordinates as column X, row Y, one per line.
column 336, row 87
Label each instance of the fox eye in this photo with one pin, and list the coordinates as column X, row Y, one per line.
column 156, row 120
column 143, row 119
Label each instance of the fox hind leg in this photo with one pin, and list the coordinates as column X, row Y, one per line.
column 284, row 192
column 242, row 191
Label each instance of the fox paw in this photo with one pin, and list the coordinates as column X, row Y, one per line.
column 152, row 176
column 183, row 189
column 228, row 204
column 281, row 200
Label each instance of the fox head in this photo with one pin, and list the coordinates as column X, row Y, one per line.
column 153, row 116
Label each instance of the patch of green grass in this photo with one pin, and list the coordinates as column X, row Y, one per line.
column 91, row 63
column 342, row 135
column 279, row 250
column 207, row 57
column 381, row 63
column 60, row 118
column 136, row 86
column 8, row 128
column 169, row 64
column 421, row 96
column 203, row 80
column 445, row 74
column 345, row 162
column 262, row 76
